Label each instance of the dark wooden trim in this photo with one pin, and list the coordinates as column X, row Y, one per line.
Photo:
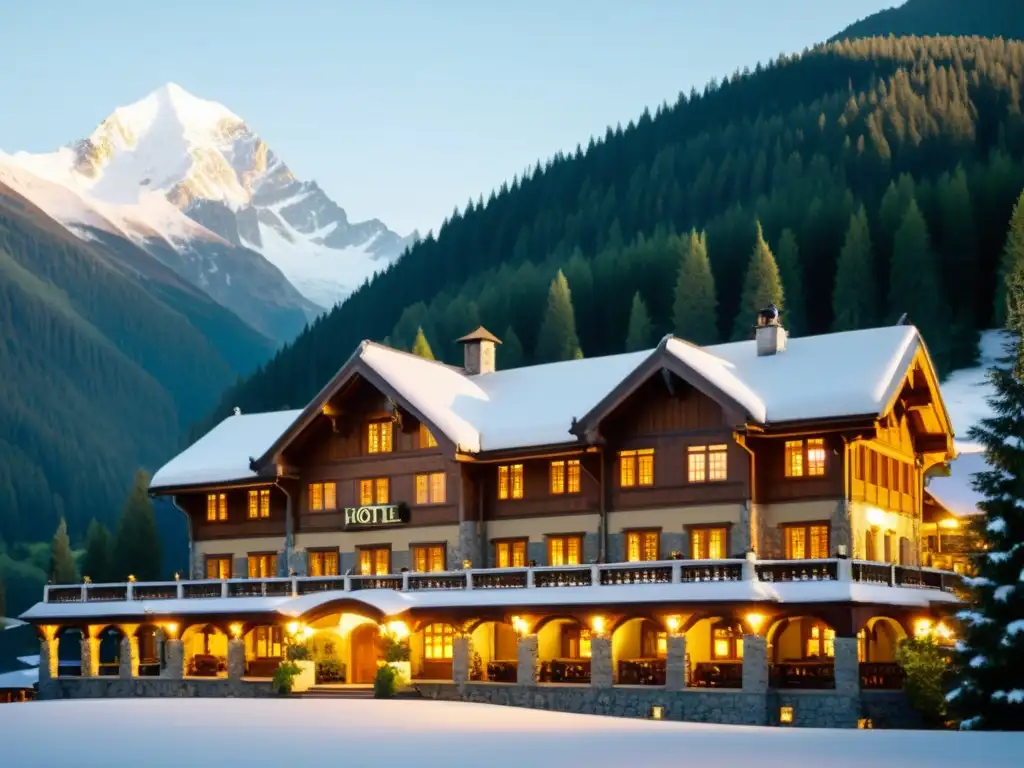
column 414, row 545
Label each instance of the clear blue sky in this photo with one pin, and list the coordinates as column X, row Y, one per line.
column 401, row 109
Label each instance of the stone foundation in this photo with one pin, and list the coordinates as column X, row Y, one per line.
column 150, row 687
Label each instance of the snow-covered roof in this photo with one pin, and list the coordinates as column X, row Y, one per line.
column 222, row 455
column 854, row 373
column 956, row 492
column 19, row 678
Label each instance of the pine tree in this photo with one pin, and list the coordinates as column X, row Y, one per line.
column 914, row 285
column 761, row 288
column 791, row 272
column 421, row 346
column 510, row 353
column 640, row 328
column 557, row 339
column 854, row 303
column 990, row 694
column 3, row 601
column 695, row 306
column 1013, row 255
column 98, row 559
column 137, row 545
column 62, row 561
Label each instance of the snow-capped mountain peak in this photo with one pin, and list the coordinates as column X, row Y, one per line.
column 208, row 163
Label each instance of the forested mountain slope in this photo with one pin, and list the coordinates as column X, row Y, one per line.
column 910, row 145
column 105, row 358
column 987, row 18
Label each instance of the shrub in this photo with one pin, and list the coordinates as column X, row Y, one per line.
column 298, row 652
column 385, row 683
column 394, row 650
column 330, row 671
column 284, row 677
column 925, row 666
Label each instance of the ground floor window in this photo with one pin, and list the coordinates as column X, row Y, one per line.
column 821, row 642
column 708, row 543
column 265, row 643
column 727, row 642
column 654, row 642
column 375, row 561
column 428, row 557
column 218, row 566
column 565, row 550
column 437, row 641
column 510, row 554
column 323, row 562
column 262, row 565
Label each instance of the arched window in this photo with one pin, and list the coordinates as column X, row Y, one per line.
column 727, row 642
column 437, row 641
column 821, row 642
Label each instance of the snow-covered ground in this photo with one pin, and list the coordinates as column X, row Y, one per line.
column 177, row 732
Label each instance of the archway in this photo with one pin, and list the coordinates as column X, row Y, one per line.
column 563, row 650
column 639, row 650
column 365, row 644
column 877, row 641
column 495, row 642
column 110, row 651
column 69, row 651
column 714, row 652
column 803, row 653
column 205, row 647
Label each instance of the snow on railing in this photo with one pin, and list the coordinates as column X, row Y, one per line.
column 536, row 577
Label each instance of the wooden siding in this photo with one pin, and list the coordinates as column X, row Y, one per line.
column 238, row 523
column 537, row 497
column 773, row 486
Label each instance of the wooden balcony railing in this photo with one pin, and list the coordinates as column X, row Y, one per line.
column 814, row 675
column 502, row 671
column 564, row 671
column 717, row 674
column 881, row 675
column 646, row 574
column 641, row 672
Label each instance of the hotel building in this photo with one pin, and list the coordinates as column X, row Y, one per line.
column 740, row 521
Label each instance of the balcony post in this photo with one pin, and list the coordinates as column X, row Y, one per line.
column 748, row 571
column 236, row 659
column 529, row 578
column 601, row 674
column 526, row 660
column 405, row 581
column 174, row 659
column 128, row 662
column 844, row 570
column 90, row 652
column 675, row 662
column 462, row 657
column 847, row 666
column 48, row 655
column 755, row 664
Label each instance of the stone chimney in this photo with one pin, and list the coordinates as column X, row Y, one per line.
column 769, row 334
column 478, row 349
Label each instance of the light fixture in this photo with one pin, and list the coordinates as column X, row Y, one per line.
column 293, row 627
column 755, row 620
column 131, row 577
column 865, row 722
column 170, row 629
column 785, row 715
column 657, row 712
column 597, row 622
column 236, row 630
column 398, row 629
column 673, row 623
column 949, row 522
column 467, row 564
column 922, row 628
column 177, row 576
column 307, row 632
column 519, row 625
column 86, row 580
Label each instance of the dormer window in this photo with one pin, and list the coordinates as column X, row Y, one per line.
column 378, row 437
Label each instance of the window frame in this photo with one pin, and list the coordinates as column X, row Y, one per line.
column 360, row 548
column 565, row 538
column 804, row 455
column 375, row 487
column 261, row 555
column 446, row 637
column 705, row 529
column 217, row 507
column 323, row 552
column 220, row 558
column 733, row 635
column 823, row 642
column 642, row 534
column 426, row 439
column 636, row 476
column 323, row 486
column 806, row 527
column 507, row 484
column 257, row 509
column 571, row 477
column 426, row 547
column 380, row 440
column 511, row 543
column 427, row 478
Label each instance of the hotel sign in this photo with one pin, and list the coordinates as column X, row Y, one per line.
column 376, row 516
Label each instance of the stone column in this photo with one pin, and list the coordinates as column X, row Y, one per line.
column 174, row 659
column 847, row 667
column 469, row 544
column 526, row 658
column 462, row 658
column 675, row 663
column 90, row 653
column 601, row 674
column 755, row 664
column 128, row 662
column 236, row 658
column 48, row 658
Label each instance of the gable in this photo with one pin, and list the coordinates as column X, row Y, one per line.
column 665, row 403
column 916, row 420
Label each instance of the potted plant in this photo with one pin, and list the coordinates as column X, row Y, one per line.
column 284, row 677
column 396, row 656
column 300, row 657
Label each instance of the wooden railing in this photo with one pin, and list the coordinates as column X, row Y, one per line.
column 717, row 674
column 647, row 574
column 881, row 675
column 641, row 672
column 564, row 671
column 816, row 675
column 502, row 671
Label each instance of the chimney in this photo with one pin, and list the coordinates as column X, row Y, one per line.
column 769, row 334
column 478, row 350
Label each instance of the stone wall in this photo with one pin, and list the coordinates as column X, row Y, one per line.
column 811, row 709
column 150, row 687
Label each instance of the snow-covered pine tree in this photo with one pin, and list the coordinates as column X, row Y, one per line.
column 990, row 691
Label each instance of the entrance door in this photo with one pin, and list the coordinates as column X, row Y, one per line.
column 364, row 654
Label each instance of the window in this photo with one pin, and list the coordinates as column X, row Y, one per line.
column 510, row 481
column 430, row 488
column 216, row 507
column 265, row 642
column 706, row 463
column 427, row 439
column 323, row 562
column 565, row 476
column 904, row 551
column 636, row 467
column 804, row 542
column 259, row 503
column 642, row 545
column 708, row 543
column 378, row 437
column 428, row 558
column 653, row 642
column 564, row 550
column 575, row 642
column 437, row 641
column 821, row 642
column 218, row 566
column 811, row 463
column 376, row 490
column 727, row 642
column 510, row 554
column 323, row 496
column 262, row 565
column 887, row 545
column 375, row 561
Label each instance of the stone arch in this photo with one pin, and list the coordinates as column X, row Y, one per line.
column 342, row 605
column 68, row 639
column 205, row 649
column 109, row 640
column 632, row 616
column 496, row 643
column 543, row 621
column 639, row 647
